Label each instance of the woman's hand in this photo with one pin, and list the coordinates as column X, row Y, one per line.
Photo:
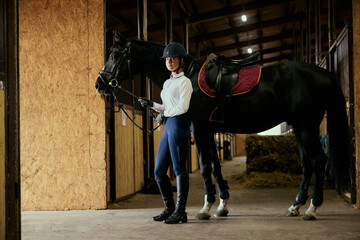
column 145, row 102
column 160, row 118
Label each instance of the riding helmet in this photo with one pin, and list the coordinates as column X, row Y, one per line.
column 174, row 49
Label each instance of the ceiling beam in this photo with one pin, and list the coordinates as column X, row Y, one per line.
column 241, row 44
column 285, row 47
column 120, row 5
column 245, row 28
column 231, row 10
column 211, row 15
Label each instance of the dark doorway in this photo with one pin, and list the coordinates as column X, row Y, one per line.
column 9, row 122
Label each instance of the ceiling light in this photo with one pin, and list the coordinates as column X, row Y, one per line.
column 249, row 50
column 243, row 18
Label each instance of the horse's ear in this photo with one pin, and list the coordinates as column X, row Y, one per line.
column 119, row 38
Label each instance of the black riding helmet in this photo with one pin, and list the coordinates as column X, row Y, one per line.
column 175, row 49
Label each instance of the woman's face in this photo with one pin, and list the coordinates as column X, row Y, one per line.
column 172, row 63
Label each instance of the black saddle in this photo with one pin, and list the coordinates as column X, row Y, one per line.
column 222, row 73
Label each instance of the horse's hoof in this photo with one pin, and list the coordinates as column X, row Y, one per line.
column 293, row 210
column 310, row 213
column 290, row 213
column 203, row 216
column 308, row 217
column 221, row 213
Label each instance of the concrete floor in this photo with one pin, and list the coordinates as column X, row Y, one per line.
column 254, row 214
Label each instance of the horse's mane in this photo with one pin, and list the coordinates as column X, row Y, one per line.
column 156, row 48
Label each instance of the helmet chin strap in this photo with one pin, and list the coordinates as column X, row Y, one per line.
column 180, row 66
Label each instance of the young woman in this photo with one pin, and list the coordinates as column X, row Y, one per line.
column 175, row 95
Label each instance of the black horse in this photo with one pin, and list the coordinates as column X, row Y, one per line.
column 292, row 92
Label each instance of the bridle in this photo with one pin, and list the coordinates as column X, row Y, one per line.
column 114, row 82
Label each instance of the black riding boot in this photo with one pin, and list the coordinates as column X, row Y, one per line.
column 182, row 193
column 167, row 196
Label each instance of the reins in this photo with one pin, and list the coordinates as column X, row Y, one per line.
column 121, row 107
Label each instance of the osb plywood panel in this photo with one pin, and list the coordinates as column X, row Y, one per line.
column 62, row 126
column 124, row 155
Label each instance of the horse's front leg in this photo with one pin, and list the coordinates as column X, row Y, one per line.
column 209, row 163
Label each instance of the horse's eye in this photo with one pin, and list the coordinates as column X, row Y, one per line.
column 114, row 56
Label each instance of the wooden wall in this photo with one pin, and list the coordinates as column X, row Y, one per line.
column 62, row 116
column 157, row 137
column 129, row 162
column 194, row 157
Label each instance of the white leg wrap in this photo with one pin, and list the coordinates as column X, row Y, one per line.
column 207, row 206
column 222, row 209
column 310, row 212
column 222, row 204
column 204, row 213
column 293, row 210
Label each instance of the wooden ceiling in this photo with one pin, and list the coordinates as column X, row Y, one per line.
column 272, row 26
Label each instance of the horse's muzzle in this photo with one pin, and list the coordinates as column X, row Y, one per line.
column 97, row 86
column 100, row 86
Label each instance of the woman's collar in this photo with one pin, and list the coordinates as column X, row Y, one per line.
column 180, row 74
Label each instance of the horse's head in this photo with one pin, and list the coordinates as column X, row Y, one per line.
column 117, row 68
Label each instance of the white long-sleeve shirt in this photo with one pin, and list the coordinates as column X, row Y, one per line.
column 175, row 95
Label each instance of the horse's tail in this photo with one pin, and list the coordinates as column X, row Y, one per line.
column 339, row 140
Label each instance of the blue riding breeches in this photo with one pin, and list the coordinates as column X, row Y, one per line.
column 173, row 146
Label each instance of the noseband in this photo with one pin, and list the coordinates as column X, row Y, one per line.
column 114, row 82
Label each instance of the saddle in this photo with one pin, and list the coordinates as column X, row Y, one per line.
column 222, row 73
